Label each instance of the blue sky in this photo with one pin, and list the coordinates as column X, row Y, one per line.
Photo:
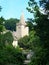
column 14, row 8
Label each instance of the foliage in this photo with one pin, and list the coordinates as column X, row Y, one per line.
column 8, row 38
column 41, row 17
column 34, row 40
column 10, row 24
column 1, row 24
column 30, row 25
column 11, row 56
column 28, row 42
column 1, row 44
column 39, row 56
column 23, row 42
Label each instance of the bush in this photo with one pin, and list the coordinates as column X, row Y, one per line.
column 7, row 38
column 23, row 42
column 11, row 56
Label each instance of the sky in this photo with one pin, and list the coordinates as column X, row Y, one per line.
column 14, row 8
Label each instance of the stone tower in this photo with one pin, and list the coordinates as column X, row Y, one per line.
column 22, row 29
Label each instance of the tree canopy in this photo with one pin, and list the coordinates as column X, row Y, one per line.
column 10, row 24
column 40, row 11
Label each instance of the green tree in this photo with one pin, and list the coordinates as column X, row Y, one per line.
column 11, row 56
column 1, row 24
column 7, row 38
column 1, row 28
column 10, row 24
column 41, row 17
column 23, row 42
column 30, row 25
column 29, row 42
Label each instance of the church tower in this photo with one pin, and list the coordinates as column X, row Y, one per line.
column 22, row 29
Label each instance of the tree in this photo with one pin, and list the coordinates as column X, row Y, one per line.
column 11, row 24
column 1, row 24
column 23, row 42
column 41, row 17
column 29, row 42
column 1, row 28
column 7, row 38
column 30, row 25
column 11, row 56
